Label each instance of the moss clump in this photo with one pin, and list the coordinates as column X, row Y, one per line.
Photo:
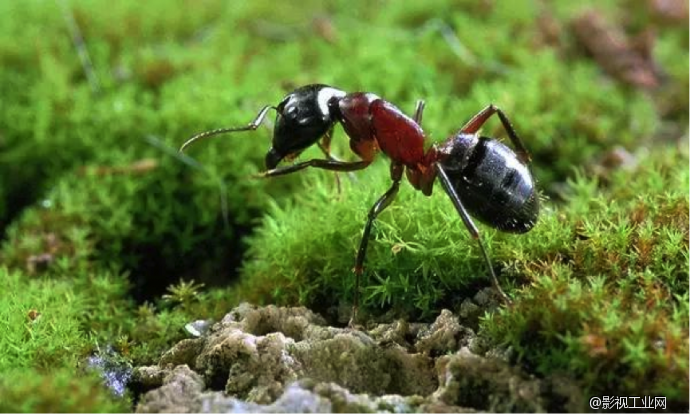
column 607, row 292
column 413, row 261
column 58, row 390
column 40, row 328
column 43, row 342
column 84, row 226
column 602, row 281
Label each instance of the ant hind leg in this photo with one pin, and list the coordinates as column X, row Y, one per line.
column 482, row 116
column 471, row 227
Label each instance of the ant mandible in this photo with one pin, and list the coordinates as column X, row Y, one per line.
column 481, row 175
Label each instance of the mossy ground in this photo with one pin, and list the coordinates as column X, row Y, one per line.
column 99, row 215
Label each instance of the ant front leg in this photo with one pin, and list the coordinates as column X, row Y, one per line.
column 316, row 163
column 325, row 147
column 478, row 120
column 381, row 204
column 471, row 227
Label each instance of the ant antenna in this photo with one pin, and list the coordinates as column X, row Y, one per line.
column 251, row 127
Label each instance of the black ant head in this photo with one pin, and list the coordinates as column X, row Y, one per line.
column 303, row 118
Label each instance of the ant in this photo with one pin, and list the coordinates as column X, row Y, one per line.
column 481, row 175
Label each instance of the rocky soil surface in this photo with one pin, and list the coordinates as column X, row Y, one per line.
column 270, row 359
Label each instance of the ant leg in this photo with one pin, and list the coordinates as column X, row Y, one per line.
column 418, row 111
column 250, row 127
column 381, row 204
column 471, row 227
column 478, row 120
column 326, row 151
column 316, row 163
column 325, row 147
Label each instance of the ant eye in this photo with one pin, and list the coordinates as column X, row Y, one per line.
column 291, row 112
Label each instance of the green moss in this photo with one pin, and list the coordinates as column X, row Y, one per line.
column 30, row 390
column 603, row 289
column 43, row 341
column 607, row 295
column 172, row 85
column 99, row 215
column 88, row 255
column 39, row 326
column 310, row 261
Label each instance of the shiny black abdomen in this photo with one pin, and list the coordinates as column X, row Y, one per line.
column 493, row 185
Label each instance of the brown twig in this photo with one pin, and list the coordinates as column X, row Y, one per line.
column 622, row 58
